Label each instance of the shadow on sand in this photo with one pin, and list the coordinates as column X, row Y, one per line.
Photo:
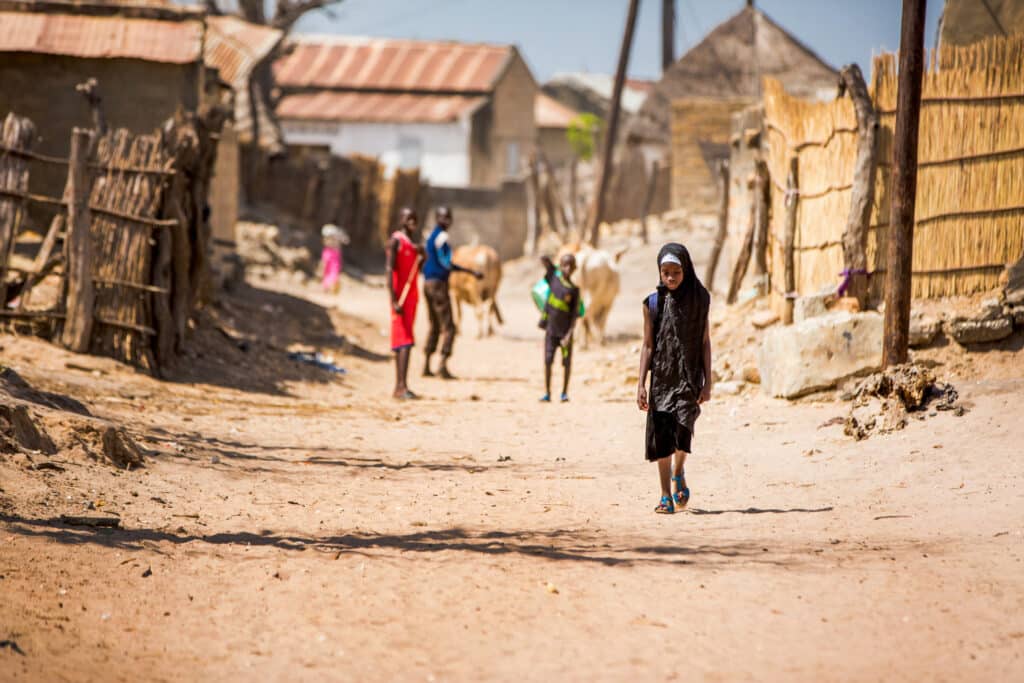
column 559, row 545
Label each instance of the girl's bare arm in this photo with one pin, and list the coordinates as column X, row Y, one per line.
column 645, row 360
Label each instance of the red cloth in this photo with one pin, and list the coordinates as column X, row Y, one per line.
column 403, row 270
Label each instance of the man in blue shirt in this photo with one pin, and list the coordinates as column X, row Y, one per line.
column 436, row 269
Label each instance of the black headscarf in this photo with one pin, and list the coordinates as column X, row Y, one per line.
column 677, row 365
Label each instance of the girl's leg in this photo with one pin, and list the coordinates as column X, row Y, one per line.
column 664, row 473
column 402, row 370
column 680, row 461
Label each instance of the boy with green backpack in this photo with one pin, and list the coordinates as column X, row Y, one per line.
column 559, row 314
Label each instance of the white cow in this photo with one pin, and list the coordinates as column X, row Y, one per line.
column 597, row 275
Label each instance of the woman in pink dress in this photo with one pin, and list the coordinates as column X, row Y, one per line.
column 404, row 255
column 331, row 260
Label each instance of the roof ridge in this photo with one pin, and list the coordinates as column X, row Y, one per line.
column 342, row 39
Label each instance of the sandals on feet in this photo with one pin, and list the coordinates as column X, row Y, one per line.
column 682, row 494
column 546, row 398
column 565, row 398
column 665, row 507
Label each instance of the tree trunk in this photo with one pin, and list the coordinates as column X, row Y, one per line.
column 613, row 123
column 862, row 196
column 723, row 227
column 904, row 186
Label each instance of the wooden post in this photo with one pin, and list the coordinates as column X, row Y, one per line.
column 723, row 226
column 904, row 186
column 533, row 215
column 761, row 200
column 739, row 271
column 553, row 198
column 613, row 123
column 668, row 34
column 81, row 297
column 862, row 196
column 789, row 238
column 652, row 184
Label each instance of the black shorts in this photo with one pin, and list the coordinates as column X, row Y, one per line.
column 684, row 439
column 551, row 347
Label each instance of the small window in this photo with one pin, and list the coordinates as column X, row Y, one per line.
column 512, row 159
column 410, row 152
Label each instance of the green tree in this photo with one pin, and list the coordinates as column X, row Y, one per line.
column 582, row 135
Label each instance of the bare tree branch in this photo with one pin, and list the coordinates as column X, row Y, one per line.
column 290, row 11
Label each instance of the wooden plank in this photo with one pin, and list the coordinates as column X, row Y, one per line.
column 41, row 260
column 81, row 297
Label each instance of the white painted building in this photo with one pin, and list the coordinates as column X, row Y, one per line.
column 462, row 113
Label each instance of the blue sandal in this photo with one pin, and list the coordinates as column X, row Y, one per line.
column 682, row 495
column 665, row 507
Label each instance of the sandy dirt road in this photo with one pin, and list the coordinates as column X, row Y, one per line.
column 291, row 526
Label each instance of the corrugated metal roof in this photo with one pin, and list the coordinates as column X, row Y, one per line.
column 173, row 42
column 375, row 107
column 235, row 47
column 550, row 113
column 351, row 63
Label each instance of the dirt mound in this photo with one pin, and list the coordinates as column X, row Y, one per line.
column 57, row 424
column 882, row 401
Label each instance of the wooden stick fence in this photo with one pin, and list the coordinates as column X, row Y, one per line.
column 134, row 242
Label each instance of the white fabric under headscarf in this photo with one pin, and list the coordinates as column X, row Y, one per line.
column 670, row 258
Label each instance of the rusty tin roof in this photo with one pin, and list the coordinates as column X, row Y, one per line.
column 377, row 64
column 550, row 113
column 155, row 40
column 327, row 105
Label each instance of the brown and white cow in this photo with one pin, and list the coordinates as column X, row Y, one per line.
column 481, row 294
column 597, row 275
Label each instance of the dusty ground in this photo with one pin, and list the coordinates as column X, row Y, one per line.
column 294, row 525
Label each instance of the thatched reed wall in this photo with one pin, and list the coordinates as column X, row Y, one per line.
column 970, row 197
column 701, row 128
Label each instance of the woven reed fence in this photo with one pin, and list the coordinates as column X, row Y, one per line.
column 118, row 271
column 969, row 219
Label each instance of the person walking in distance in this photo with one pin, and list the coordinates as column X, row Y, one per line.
column 403, row 258
column 436, row 269
column 677, row 353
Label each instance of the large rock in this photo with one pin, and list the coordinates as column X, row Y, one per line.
column 923, row 330
column 1018, row 315
column 819, row 353
column 812, row 305
column 979, row 330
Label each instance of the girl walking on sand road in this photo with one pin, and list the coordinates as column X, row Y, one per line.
column 403, row 257
column 677, row 354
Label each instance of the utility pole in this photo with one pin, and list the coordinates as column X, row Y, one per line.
column 899, row 255
column 668, row 34
column 613, row 122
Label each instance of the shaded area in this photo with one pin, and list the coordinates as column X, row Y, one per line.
column 243, row 339
column 559, row 545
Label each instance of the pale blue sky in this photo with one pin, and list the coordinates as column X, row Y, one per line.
column 584, row 35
